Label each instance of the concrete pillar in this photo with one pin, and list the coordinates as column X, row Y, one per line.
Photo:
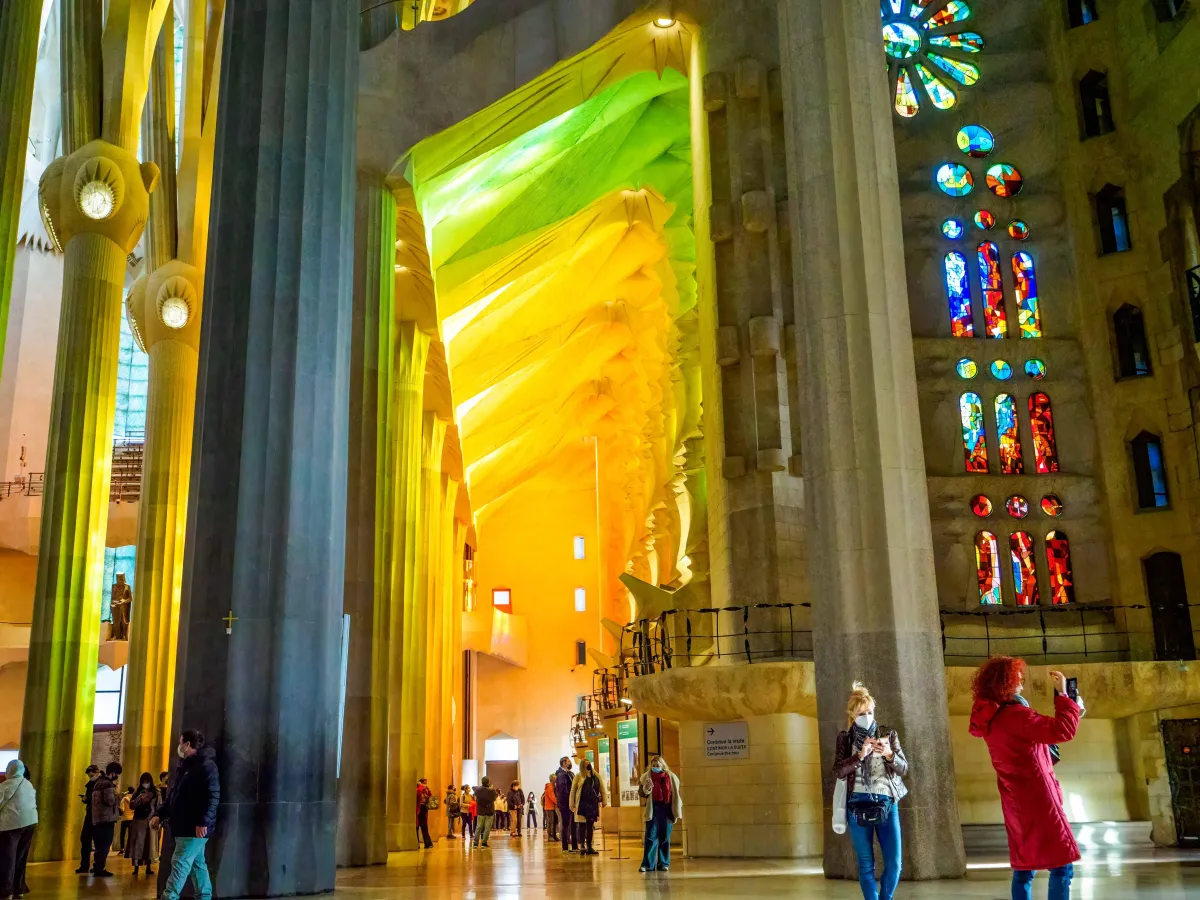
column 871, row 561
column 80, row 71
column 260, row 620
column 408, row 386
column 19, row 21
column 362, row 785
column 420, row 643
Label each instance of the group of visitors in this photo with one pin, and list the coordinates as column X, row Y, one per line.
column 104, row 807
column 869, row 765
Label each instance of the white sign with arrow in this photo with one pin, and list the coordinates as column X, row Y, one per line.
column 727, row 740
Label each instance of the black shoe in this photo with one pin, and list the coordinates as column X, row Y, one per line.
column 82, row 870
column 104, row 873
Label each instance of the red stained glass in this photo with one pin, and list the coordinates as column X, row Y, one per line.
column 994, row 317
column 1024, row 568
column 987, row 568
column 981, row 505
column 1017, row 506
column 1058, row 558
column 970, row 409
column 1051, row 505
column 1041, row 423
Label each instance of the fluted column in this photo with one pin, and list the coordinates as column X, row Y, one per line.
column 158, row 145
column 19, row 21
column 871, row 560
column 79, row 23
column 362, row 785
column 261, row 612
column 408, row 390
column 449, row 644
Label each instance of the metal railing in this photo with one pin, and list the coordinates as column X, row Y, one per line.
column 32, row 485
column 125, row 486
column 584, row 721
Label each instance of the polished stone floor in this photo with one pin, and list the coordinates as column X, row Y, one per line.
column 528, row 868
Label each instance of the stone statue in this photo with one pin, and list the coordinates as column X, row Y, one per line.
column 122, row 599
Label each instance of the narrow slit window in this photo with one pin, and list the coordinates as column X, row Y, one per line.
column 1113, row 219
column 1008, row 436
column 992, row 286
column 1150, row 471
column 958, row 294
column 581, row 653
column 1024, row 569
column 1029, row 312
column 987, row 568
column 1133, row 350
column 1095, row 105
column 1041, row 425
column 580, row 599
column 970, row 409
column 580, row 546
column 1058, row 559
column 1081, row 12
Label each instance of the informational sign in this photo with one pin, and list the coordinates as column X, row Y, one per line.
column 629, row 771
column 604, row 765
column 727, row 740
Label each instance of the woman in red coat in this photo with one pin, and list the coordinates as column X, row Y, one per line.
column 1019, row 739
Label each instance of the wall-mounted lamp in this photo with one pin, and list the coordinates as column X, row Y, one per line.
column 664, row 21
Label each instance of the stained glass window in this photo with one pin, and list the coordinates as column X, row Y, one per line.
column 915, row 51
column 1058, row 558
column 984, row 220
column 1003, row 180
column 1052, row 506
column 1018, row 230
column 970, row 409
column 942, row 96
column 958, row 294
column 981, row 505
column 966, row 41
column 975, row 141
column 906, row 102
column 1024, row 569
column 1035, row 369
column 1041, row 423
column 953, row 229
column 994, row 317
column 1029, row 315
column 966, row 368
column 987, row 568
column 133, row 382
column 964, row 73
column 1114, row 220
column 1001, row 370
column 1017, row 506
column 954, row 11
column 954, row 179
column 1008, row 436
column 1150, row 471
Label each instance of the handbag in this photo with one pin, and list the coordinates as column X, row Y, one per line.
column 839, row 807
column 432, row 802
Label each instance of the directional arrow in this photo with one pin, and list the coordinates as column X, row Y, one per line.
column 711, row 731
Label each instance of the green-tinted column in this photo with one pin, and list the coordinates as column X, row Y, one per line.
column 79, row 24
column 19, row 21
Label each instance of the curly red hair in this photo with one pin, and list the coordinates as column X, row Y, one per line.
column 998, row 678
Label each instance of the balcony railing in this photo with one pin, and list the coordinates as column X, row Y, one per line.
column 585, row 721
column 125, row 486
column 32, row 485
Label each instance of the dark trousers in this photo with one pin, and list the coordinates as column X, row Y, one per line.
column 102, row 836
column 567, row 825
column 531, row 817
column 24, row 842
column 468, row 825
column 124, row 832
column 9, row 851
column 85, row 842
column 551, row 818
column 586, row 829
column 422, row 828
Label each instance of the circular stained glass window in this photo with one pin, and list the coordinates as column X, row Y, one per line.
column 976, row 141
column 981, row 505
column 1052, row 506
column 1018, row 230
column 901, row 40
column 1035, row 368
column 1002, row 370
column 967, row 368
column 1003, row 180
column 984, row 219
column 1017, row 506
column 953, row 229
column 955, row 180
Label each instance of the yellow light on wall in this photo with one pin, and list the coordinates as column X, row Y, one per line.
column 96, row 200
column 664, row 21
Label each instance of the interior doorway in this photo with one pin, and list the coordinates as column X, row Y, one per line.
column 503, row 773
column 1181, row 740
column 1167, row 593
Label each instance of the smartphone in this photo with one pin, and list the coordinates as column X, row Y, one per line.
column 1073, row 688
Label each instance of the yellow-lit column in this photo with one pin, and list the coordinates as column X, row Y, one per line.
column 408, row 380
column 445, row 612
column 423, row 646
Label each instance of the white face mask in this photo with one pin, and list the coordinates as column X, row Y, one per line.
column 865, row 721
column 179, row 752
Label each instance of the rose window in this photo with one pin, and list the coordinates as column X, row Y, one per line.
column 927, row 52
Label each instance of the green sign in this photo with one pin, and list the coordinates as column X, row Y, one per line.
column 627, row 729
column 603, row 745
column 591, row 757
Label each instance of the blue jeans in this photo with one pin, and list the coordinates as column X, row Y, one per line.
column 657, row 854
column 1060, row 883
column 888, row 832
column 188, row 859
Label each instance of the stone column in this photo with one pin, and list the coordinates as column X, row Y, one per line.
column 362, row 785
column 871, row 568
column 408, row 390
column 260, row 620
column 19, row 21
column 420, row 642
column 80, row 72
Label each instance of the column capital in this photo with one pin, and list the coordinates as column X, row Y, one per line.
column 165, row 305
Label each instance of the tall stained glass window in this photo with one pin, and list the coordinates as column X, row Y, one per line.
column 1041, row 424
column 133, row 381
column 1058, row 558
column 987, row 568
column 1024, row 568
column 958, row 294
column 995, row 320
column 970, row 409
column 1029, row 316
column 1008, row 436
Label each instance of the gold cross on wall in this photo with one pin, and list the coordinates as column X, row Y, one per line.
column 229, row 620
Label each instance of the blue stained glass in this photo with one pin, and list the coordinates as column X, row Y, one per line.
column 954, row 179
column 958, row 294
column 953, row 229
column 966, row 41
column 975, row 141
column 1158, row 473
column 970, row 411
column 133, row 381
column 966, row 368
column 1035, row 368
column 1001, row 370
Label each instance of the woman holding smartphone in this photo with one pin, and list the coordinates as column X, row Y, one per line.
column 1019, row 741
column 872, row 762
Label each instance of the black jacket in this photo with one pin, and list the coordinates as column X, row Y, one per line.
column 485, row 801
column 515, row 800
column 194, row 794
column 563, row 779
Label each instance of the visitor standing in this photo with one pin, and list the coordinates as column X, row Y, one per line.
column 549, row 809
column 452, row 810
column 486, row 797
column 424, row 795
column 465, row 804
column 870, row 759
column 126, row 816
column 500, row 820
column 474, row 814
column 18, row 818
column 662, row 807
column 564, row 780
column 190, row 808
column 515, row 801
column 587, row 798
column 85, row 832
column 1020, row 743
column 531, row 820
column 142, row 847
column 106, row 810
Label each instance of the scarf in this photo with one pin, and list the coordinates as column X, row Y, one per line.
column 662, row 786
column 857, row 738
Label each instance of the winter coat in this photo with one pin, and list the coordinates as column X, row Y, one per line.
column 647, row 789
column 587, row 796
column 18, row 804
column 451, row 803
column 194, row 794
column 515, row 800
column 485, row 800
column 1018, row 738
column 846, row 763
column 106, row 805
column 549, row 800
column 563, row 780
column 144, row 802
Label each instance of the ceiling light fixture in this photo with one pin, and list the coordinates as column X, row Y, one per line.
column 664, row 21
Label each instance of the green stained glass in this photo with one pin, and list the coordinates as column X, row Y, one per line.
column 1004, row 181
column 975, row 141
column 962, row 72
column 901, row 40
column 967, row 42
column 954, row 179
column 942, row 96
column 916, row 9
column 967, row 368
column 1035, row 369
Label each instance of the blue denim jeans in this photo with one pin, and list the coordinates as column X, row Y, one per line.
column 1060, row 883
column 888, row 832
column 657, row 850
column 188, row 859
